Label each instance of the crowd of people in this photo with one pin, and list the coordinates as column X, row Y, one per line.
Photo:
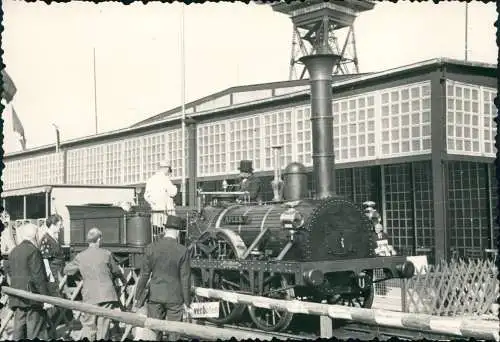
column 34, row 261
column 37, row 263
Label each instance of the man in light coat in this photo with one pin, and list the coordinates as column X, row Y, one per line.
column 98, row 270
column 160, row 193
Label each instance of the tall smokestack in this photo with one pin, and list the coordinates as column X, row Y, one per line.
column 320, row 68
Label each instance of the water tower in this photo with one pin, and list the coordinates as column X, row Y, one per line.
column 317, row 23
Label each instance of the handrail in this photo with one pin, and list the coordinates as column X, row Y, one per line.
column 189, row 329
column 457, row 326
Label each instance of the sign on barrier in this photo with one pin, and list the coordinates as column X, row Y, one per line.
column 205, row 310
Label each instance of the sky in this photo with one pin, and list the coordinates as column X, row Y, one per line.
column 48, row 51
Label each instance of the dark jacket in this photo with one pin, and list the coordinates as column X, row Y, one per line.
column 98, row 270
column 27, row 272
column 169, row 265
column 254, row 186
column 53, row 252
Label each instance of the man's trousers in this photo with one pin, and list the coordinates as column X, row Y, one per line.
column 30, row 323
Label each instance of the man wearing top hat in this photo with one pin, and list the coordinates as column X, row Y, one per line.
column 160, row 193
column 249, row 182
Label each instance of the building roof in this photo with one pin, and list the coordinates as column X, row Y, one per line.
column 239, row 95
column 260, row 94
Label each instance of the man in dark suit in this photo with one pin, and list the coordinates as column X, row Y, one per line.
column 249, row 182
column 98, row 270
column 167, row 267
column 27, row 273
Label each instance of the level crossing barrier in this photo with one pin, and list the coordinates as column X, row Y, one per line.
column 137, row 320
column 457, row 326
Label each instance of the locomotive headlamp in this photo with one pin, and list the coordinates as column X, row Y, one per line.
column 407, row 269
column 291, row 219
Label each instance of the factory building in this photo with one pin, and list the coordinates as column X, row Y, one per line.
column 418, row 140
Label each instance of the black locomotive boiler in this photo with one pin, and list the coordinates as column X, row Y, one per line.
column 318, row 249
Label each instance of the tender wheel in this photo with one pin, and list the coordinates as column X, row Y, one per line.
column 275, row 287
column 220, row 248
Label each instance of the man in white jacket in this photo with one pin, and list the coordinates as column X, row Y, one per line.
column 160, row 193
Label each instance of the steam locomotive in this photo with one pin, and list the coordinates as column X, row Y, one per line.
column 317, row 249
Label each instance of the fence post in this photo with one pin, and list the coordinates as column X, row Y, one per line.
column 325, row 326
column 404, row 295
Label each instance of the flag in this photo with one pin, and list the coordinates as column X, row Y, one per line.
column 8, row 87
column 18, row 128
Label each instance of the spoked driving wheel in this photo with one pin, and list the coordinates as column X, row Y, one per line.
column 275, row 287
column 219, row 247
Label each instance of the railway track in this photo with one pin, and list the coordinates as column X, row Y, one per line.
column 350, row 330
column 384, row 333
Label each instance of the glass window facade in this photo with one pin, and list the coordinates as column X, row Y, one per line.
column 40, row 170
column 95, row 165
column 470, row 112
column 360, row 123
column 398, row 206
column 424, row 209
column 76, row 166
column 493, row 187
column 132, row 161
column 354, row 128
column 343, row 183
column 468, row 208
column 114, row 165
column 153, row 151
column 303, row 138
column 406, row 120
column 174, row 152
column 212, row 149
column 489, row 124
column 277, row 132
column 244, row 142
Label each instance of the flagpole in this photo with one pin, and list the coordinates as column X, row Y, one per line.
column 183, row 104
column 95, row 95
column 57, row 137
column 466, row 28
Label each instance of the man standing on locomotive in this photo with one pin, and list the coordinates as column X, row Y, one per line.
column 249, row 182
column 160, row 193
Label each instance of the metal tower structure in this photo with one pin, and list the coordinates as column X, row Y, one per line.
column 315, row 20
